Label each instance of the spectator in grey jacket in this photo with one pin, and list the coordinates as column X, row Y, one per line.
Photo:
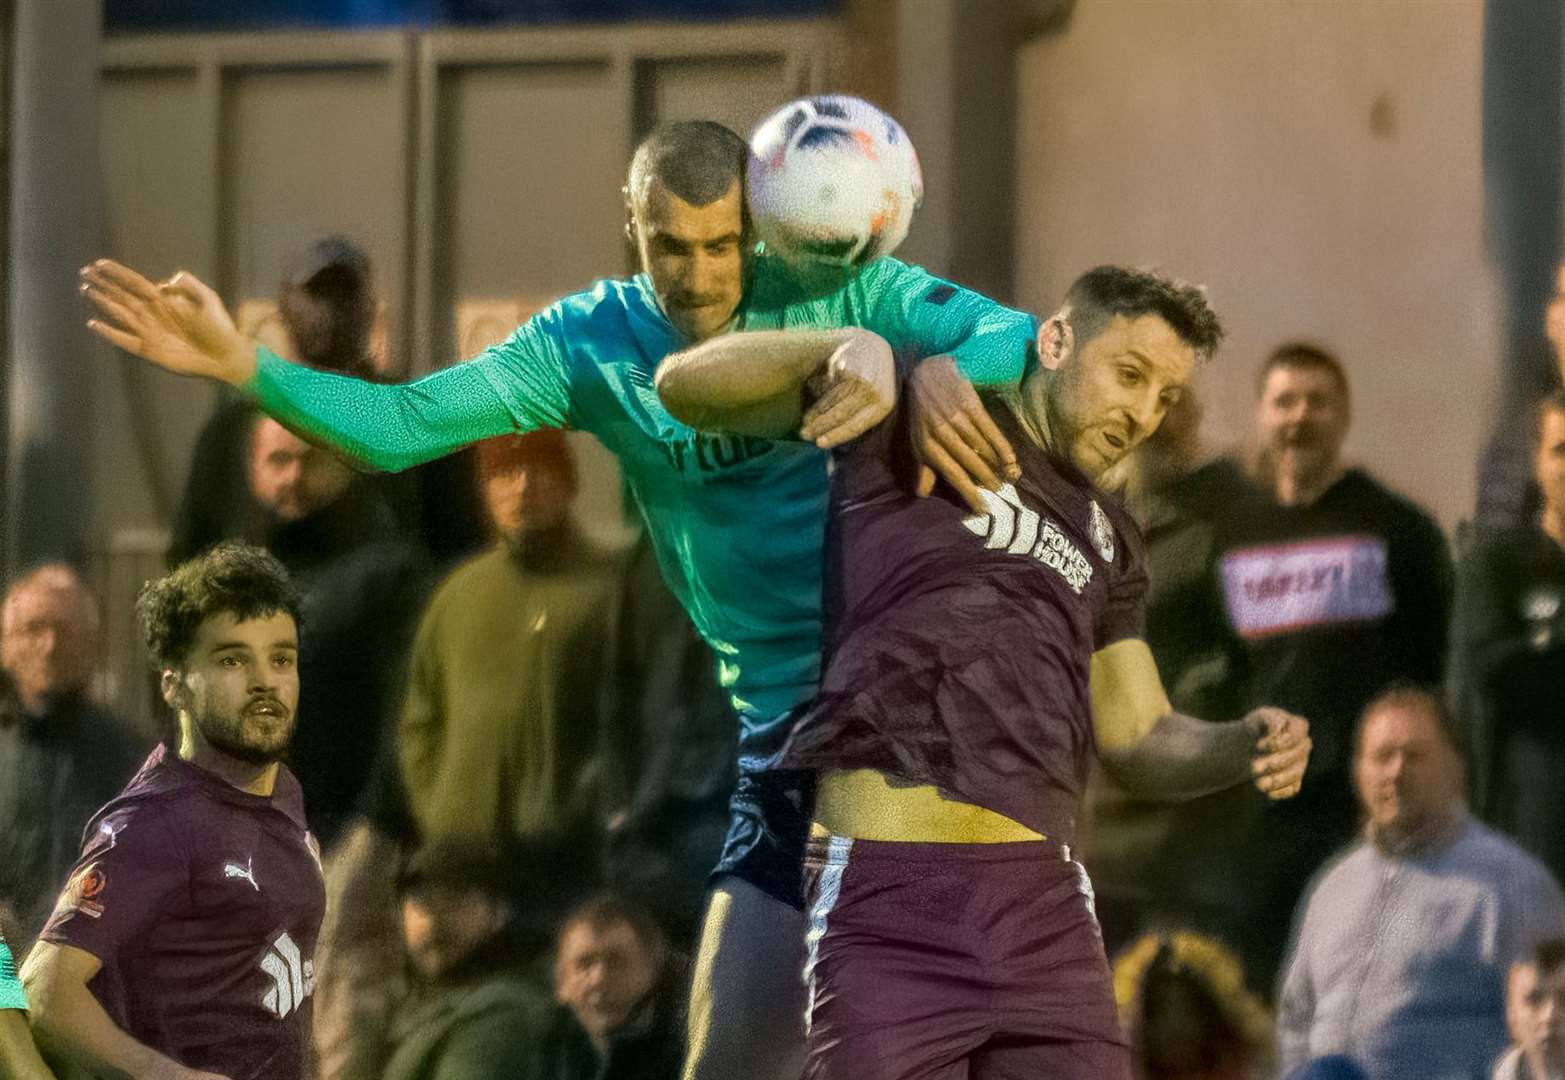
column 1405, row 942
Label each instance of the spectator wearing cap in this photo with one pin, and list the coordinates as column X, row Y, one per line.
column 510, row 683
column 477, row 951
column 327, row 309
column 1405, row 942
column 331, row 319
column 61, row 754
column 620, row 992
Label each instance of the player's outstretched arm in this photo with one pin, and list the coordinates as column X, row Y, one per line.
column 70, row 1023
column 182, row 326
column 827, row 387
column 1158, row 753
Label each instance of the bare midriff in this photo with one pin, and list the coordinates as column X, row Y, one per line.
column 864, row 804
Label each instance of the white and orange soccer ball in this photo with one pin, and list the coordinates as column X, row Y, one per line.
column 833, row 182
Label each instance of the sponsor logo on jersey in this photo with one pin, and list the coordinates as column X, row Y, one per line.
column 291, row 976
column 706, row 453
column 1283, row 588
column 243, row 873
column 1018, row 530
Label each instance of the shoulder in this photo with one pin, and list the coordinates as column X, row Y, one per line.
column 1509, row 868
column 1341, row 872
column 1497, row 545
column 1400, row 511
column 1509, row 1067
column 477, row 571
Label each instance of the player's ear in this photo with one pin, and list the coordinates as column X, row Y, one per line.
column 169, row 687
column 1055, row 340
column 630, row 214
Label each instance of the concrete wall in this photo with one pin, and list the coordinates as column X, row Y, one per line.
column 1317, row 165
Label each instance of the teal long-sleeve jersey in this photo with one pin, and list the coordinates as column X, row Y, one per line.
column 737, row 523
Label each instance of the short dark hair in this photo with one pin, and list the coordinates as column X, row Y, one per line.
column 1413, row 692
column 233, row 578
column 610, row 909
column 1548, row 956
column 1103, row 292
column 1302, row 356
column 327, row 304
column 1554, row 402
column 697, row 160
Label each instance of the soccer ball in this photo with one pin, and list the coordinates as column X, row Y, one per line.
column 833, row 182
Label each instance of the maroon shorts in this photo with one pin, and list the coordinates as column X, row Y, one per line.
column 956, row 962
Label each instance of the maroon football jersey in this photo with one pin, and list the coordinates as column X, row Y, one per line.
column 958, row 646
column 203, row 903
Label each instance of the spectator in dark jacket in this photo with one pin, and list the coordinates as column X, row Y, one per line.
column 1508, row 658
column 363, row 585
column 621, row 995
column 61, row 755
column 329, row 314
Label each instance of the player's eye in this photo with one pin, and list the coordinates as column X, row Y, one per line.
column 283, row 660
column 230, row 661
column 1129, row 376
column 1170, row 398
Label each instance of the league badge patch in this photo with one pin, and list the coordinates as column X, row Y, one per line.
column 82, row 891
column 1102, row 533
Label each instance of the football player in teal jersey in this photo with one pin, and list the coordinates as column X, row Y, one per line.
column 737, row 523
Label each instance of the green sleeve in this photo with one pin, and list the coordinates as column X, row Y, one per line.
column 11, row 995
column 927, row 316
column 518, row 385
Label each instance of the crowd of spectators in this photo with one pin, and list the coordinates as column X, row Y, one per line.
column 516, row 757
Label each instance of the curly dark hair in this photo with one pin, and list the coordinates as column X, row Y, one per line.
column 1106, row 291
column 234, row 578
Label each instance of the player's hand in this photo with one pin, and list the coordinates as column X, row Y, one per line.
column 179, row 324
column 1282, row 750
column 855, row 391
column 953, row 434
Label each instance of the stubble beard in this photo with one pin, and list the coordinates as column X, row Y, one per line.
column 227, row 735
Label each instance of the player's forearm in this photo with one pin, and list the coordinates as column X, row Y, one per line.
column 748, row 383
column 71, row 1025
column 18, row 1056
column 1181, row 757
column 385, row 427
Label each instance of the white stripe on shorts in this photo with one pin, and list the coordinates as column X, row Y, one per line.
column 829, row 888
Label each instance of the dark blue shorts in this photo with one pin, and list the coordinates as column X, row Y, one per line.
column 973, row 961
column 768, row 824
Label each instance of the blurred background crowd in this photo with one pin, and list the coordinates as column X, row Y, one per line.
column 513, row 747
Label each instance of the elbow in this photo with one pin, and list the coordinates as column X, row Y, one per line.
column 674, row 392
